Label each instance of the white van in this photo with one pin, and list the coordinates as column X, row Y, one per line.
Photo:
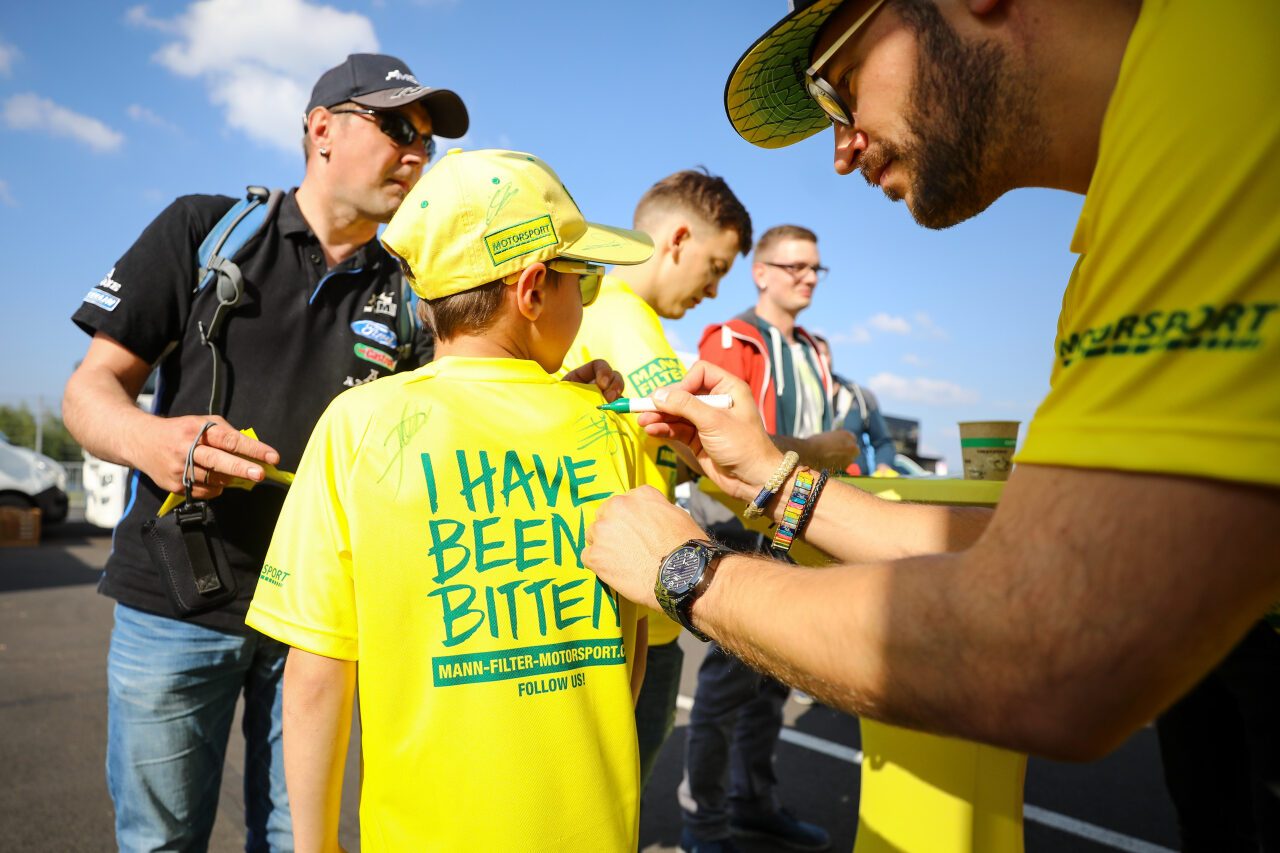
column 29, row 479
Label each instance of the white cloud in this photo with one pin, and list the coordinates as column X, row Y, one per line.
column 888, row 323
column 6, row 197
column 29, row 111
column 928, row 328
column 8, row 56
column 914, row 360
column 262, row 92
column 139, row 113
column 140, row 16
column 920, row 389
column 856, row 335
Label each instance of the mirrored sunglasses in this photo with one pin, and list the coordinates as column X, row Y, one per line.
column 396, row 126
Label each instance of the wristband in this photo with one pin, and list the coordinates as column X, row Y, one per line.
column 774, row 483
column 802, row 495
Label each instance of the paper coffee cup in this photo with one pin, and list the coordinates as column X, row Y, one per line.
column 987, row 448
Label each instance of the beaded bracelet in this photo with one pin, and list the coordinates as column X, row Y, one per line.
column 801, row 497
column 788, row 464
column 813, row 499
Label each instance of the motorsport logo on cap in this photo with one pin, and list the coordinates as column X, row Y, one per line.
column 383, row 82
column 765, row 95
column 478, row 216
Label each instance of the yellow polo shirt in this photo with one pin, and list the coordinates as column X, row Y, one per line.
column 1168, row 349
column 621, row 328
column 434, row 534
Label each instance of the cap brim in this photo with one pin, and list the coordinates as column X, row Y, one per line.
column 765, row 96
column 606, row 244
column 448, row 114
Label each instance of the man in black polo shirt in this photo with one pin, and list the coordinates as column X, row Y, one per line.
column 321, row 311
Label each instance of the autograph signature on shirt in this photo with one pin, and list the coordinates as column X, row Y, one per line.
column 598, row 427
column 399, row 437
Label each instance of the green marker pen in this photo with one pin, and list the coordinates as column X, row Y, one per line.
column 631, row 405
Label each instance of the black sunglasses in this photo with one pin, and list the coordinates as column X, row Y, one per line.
column 396, row 126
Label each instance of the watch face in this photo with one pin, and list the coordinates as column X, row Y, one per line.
column 681, row 570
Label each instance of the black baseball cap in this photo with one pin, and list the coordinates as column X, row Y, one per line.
column 384, row 82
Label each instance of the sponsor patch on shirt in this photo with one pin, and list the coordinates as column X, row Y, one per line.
column 109, row 283
column 105, row 301
column 379, row 333
column 376, row 356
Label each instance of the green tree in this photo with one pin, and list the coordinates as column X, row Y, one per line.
column 19, row 425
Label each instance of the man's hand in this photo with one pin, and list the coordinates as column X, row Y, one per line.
column 835, row 449
column 600, row 374
column 630, row 537
column 730, row 445
column 223, row 454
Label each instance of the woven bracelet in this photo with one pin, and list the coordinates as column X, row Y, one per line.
column 756, row 508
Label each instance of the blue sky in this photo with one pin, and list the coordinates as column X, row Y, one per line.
column 108, row 111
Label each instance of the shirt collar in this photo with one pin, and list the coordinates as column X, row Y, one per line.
column 469, row 369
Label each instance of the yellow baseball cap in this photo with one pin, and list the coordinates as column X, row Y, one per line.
column 478, row 216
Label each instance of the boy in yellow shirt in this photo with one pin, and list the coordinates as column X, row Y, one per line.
column 433, row 540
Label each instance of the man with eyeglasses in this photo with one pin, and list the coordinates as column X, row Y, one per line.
column 729, row 785
column 1126, row 564
column 323, row 308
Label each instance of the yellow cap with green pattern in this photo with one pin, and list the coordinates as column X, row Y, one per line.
column 765, row 96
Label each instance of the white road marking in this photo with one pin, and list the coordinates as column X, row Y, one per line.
column 1035, row 814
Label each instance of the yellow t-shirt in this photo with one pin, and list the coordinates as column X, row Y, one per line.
column 1168, row 347
column 625, row 331
column 434, row 535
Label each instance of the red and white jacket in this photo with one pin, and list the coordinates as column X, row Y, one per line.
column 741, row 348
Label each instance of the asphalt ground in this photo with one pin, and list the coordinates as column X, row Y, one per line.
column 54, row 630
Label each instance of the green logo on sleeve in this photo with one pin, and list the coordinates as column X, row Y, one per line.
column 276, row 577
column 1229, row 327
column 654, row 375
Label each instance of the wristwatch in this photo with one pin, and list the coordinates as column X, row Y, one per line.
column 683, row 576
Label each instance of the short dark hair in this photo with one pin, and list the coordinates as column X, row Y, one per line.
column 705, row 195
column 778, row 233
column 467, row 313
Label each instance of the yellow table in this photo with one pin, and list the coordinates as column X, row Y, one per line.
column 923, row 793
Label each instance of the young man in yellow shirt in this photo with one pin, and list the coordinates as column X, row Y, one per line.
column 432, row 538
column 699, row 227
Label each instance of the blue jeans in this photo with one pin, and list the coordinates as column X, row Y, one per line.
column 172, row 688
column 733, row 729
column 656, row 707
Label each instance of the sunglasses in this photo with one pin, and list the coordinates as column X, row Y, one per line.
column 823, row 92
column 396, row 126
column 589, row 276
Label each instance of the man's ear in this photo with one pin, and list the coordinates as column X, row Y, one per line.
column 677, row 240
column 530, row 291
column 320, row 128
column 757, row 272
